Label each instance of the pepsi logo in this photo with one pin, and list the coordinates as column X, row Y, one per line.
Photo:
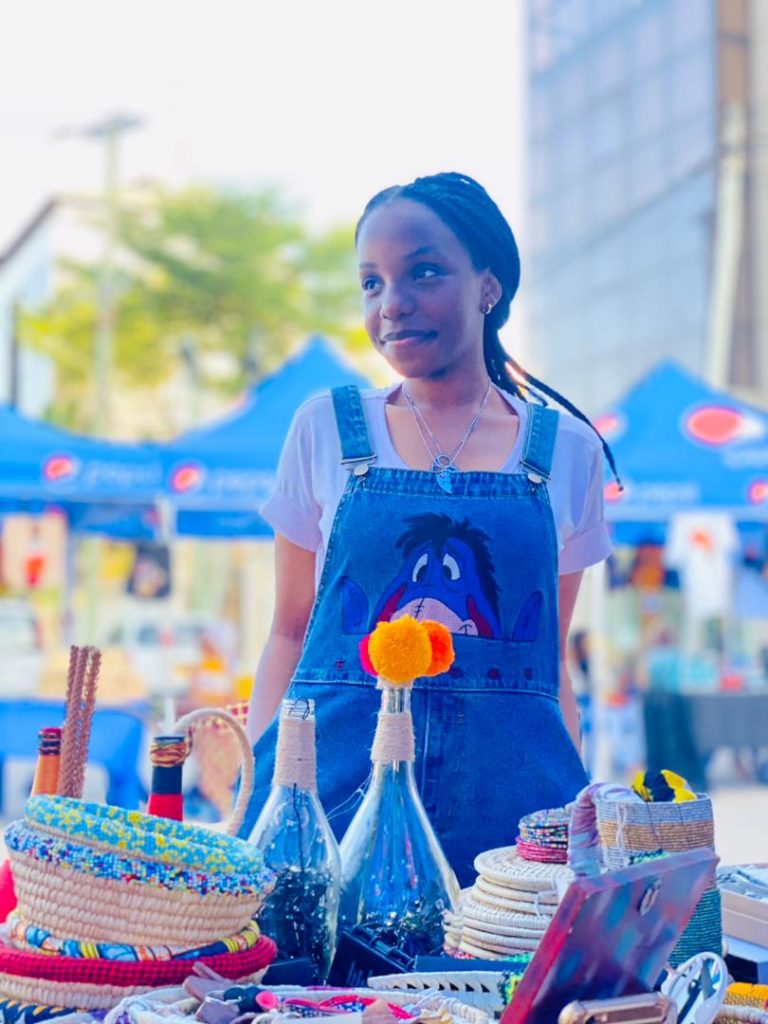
column 758, row 492
column 60, row 468
column 718, row 425
column 187, row 477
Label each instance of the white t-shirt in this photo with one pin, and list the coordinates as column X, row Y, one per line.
column 702, row 546
column 311, row 480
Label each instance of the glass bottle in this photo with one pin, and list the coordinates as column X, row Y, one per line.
column 395, row 879
column 297, row 843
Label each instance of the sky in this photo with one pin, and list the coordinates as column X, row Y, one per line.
column 332, row 99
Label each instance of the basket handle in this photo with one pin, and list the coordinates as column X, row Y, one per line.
column 185, row 724
column 584, row 848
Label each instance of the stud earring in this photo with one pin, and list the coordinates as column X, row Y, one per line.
column 487, row 309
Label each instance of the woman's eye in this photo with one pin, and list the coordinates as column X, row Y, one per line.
column 420, row 569
column 451, row 569
column 425, row 273
column 369, row 283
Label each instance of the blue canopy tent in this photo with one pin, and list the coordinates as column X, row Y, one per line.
column 217, row 476
column 684, row 446
column 681, row 445
column 102, row 486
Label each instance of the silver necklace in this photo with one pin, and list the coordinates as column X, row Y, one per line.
column 444, row 463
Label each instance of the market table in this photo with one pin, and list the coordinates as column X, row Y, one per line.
column 115, row 743
column 683, row 730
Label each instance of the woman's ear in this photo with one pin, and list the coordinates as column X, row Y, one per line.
column 490, row 290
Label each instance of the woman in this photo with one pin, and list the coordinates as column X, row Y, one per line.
column 448, row 497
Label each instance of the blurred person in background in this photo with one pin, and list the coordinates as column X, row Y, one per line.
column 455, row 495
column 579, row 668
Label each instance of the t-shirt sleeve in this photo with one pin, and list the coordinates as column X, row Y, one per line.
column 589, row 542
column 292, row 509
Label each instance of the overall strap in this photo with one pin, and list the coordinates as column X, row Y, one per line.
column 540, row 435
column 356, row 450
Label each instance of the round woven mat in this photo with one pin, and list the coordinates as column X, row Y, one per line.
column 470, row 909
column 511, row 904
column 529, row 930
column 479, row 937
column 498, row 952
column 505, row 867
column 494, row 891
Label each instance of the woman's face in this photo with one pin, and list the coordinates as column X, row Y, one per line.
column 422, row 296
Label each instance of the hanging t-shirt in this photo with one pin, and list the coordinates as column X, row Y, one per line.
column 311, row 480
column 701, row 546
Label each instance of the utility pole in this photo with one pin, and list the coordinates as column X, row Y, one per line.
column 109, row 131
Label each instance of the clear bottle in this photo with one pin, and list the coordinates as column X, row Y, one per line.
column 395, row 878
column 296, row 840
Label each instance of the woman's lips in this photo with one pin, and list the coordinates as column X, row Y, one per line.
column 407, row 339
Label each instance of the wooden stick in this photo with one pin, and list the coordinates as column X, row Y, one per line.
column 72, row 721
column 93, row 657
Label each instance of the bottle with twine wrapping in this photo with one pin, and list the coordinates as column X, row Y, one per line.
column 293, row 834
column 396, row 880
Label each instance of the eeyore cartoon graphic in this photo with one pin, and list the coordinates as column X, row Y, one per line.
column 446, row 574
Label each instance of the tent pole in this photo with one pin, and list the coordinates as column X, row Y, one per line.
column 599, row 668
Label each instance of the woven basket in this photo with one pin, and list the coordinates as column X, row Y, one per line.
column 100, row 984
column 430, row 1003
column 184, row 885
column 632, row 829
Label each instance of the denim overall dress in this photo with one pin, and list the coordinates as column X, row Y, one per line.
column 491, row 744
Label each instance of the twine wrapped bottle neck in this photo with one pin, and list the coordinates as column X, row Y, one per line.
column 394, row 739
column 296, row 757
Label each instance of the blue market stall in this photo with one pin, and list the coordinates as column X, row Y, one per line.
column 684, row 447
column 101, row 486
column 218, row 475
column 681, row 445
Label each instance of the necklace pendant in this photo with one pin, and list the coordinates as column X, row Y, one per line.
column 444, row 472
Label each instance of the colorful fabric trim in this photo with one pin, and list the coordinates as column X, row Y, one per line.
column 22, row 839
column 162, row 839
column 14, row 1012
column 32, row 937
column 154, row 973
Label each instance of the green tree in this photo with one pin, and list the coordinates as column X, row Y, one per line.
column 239, row 272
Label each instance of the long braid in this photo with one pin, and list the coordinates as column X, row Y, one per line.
column 464, row 205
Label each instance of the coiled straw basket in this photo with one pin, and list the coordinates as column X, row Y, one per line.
column 95, row 873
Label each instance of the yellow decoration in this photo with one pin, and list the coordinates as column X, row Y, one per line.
column 400, row 651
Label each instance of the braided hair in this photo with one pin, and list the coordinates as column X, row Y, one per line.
column 467, row 209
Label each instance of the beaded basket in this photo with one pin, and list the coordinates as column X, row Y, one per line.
column 95, row 873
column 630, row 830
column 99, row 984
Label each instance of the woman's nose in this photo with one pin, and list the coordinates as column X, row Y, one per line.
column 395, row 301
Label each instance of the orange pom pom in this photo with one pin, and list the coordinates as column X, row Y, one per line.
column 441, row 642
column 400, row 651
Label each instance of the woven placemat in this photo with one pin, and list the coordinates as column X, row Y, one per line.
column 491, row 916
column 495, row 952
column 496, row 891
column 505, row 867
column 479, row 937
column 522, row 929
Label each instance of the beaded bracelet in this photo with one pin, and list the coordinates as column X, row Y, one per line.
column 160, row 839
column 120, row 866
